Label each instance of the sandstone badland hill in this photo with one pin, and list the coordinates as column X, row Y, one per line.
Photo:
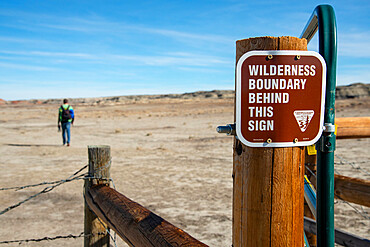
column 353, row 91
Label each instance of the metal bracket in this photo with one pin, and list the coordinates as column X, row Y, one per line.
column 329, row 128
column 327, row 143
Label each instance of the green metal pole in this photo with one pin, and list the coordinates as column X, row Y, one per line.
column 323, row 20
column 326, row 145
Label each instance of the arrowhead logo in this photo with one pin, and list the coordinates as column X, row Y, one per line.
column 303, row 118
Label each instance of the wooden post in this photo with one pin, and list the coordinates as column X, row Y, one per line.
column 268, row 182
column 99, row 168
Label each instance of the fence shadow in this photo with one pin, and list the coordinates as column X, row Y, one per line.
column 31, row 145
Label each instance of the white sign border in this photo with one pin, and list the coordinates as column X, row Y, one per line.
column 238, row 98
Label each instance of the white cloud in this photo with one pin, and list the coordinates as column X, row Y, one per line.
column 25, row 67
column 48, row 54
column 179, row 35
column 354, row 44
column 20, row 40
column 201, row 70
column 173, row 59
column 95, row 24
column 167, row 59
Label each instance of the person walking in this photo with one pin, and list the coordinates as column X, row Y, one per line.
column 66, row 117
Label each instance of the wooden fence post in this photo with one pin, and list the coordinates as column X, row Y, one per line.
column 99, row 168
column 268, row 191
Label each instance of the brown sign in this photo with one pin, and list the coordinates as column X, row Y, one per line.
column 280, row 98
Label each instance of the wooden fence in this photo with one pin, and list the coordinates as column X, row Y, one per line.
column 106, row 208
column 135, row 224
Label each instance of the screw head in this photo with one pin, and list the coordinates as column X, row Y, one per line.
column 298, row 57
column 295, row 140
column 269, row 57
column 269, row 140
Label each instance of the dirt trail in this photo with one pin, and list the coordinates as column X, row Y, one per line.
column 166, row 155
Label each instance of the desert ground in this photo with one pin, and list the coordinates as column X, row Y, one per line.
column 166, row 155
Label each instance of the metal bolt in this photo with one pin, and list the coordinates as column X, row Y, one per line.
column 269, row 57
column 223, row 129
column 298, row 57
column 269, row 140
column 228, row 129
column 295, row 140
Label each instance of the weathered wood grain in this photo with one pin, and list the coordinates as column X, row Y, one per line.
column 268, row 182
column 353, row 127
column 99, row 168
column 349, row 189
column 352, row 190
column 135, row 224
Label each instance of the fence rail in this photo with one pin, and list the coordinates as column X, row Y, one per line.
column 349, row 189
column 353, row 127
column 352, row 190
column 341, row 237
column 134, row 223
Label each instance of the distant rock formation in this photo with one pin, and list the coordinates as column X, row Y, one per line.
column 357, row 90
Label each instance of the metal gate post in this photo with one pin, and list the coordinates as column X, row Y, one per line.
column 323, row 20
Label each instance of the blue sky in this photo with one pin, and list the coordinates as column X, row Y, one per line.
column 70, row 48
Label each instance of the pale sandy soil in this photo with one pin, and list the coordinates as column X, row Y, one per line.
column 166, row 155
